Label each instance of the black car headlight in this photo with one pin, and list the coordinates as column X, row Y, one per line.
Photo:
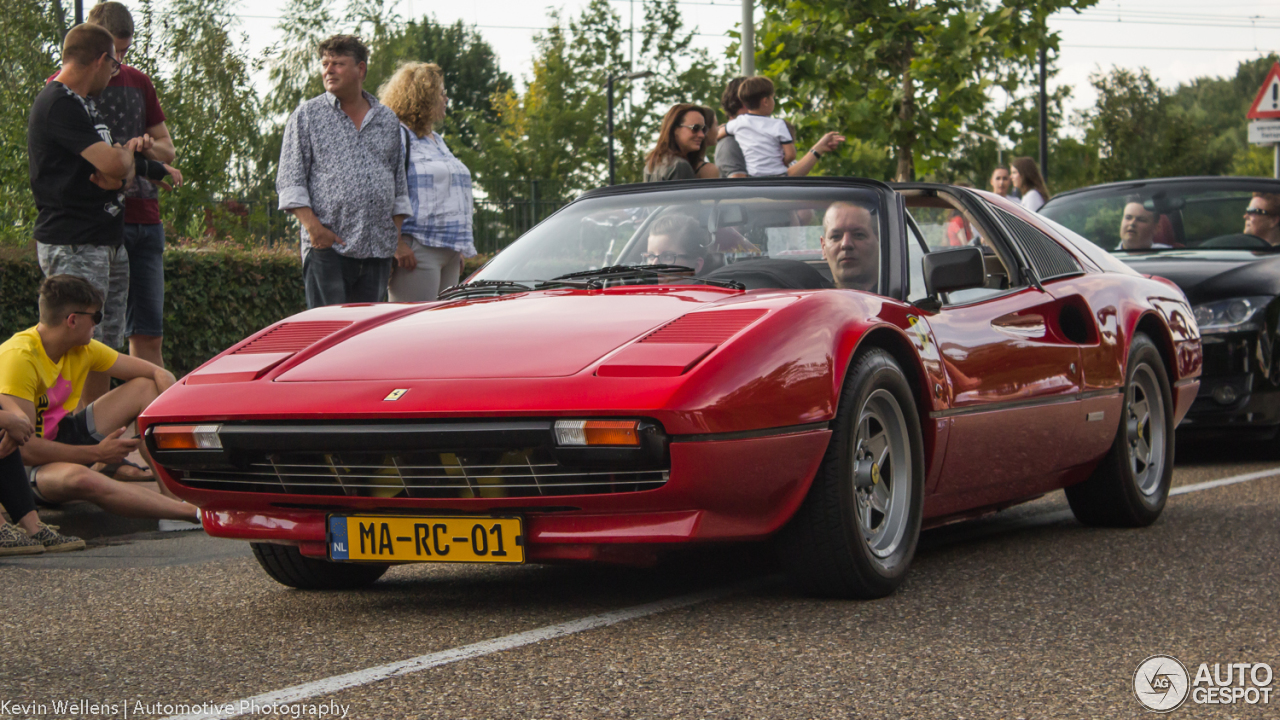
column 1233, row 315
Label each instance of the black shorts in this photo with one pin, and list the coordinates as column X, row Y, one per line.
column 77, row 429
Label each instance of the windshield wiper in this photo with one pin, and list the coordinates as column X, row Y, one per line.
column 600, row 278
column 476, row 287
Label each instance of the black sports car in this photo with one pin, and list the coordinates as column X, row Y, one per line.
column 1218, row 238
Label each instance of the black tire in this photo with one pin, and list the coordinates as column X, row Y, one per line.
column 834, row 547
column 1129, row 488
column 289, row 567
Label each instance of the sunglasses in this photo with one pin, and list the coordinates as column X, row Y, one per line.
column 696, row 128
column 95, row 316
column 1258, row 211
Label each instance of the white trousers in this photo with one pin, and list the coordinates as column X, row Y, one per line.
column 438, row 268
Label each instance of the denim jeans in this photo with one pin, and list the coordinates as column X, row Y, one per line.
column 332, row 279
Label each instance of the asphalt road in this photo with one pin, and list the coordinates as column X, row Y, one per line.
column 1025, row 614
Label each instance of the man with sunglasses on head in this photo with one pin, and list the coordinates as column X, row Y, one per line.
column 1262, row 217
column 43, row 371
column 78, row 174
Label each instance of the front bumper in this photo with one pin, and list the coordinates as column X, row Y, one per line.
column 1239, row 386
column 720, row 488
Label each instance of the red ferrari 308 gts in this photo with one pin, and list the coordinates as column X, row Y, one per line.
column 831, row 363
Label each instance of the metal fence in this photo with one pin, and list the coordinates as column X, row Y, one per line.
column 504, row 211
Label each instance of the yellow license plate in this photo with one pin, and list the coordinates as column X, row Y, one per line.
column 425, row 539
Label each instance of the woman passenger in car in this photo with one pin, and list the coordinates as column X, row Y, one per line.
column 680, row 145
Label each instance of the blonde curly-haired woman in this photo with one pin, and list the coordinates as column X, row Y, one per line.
column 437, row 235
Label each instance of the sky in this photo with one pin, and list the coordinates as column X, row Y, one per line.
column 1177, row 40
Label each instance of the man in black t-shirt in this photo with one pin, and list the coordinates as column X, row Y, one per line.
column 77, row 173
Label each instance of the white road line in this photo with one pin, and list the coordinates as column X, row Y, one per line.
column 1209, row 485
column 329, row 685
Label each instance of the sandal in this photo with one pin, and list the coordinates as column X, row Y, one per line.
column 126, row 471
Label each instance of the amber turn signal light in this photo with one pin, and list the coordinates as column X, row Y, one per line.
column 590, row 433
column 187, row 437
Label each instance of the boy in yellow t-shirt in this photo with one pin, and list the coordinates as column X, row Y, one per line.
column 43, row 371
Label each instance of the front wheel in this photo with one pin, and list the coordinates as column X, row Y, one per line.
column 1131, row 484
column 289, row 567
column 856, row 532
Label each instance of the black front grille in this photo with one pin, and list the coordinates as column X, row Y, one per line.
column 523, row 472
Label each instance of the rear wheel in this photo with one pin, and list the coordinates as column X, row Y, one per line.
column 856, row 532
column 1131, row 484
column 289, row 567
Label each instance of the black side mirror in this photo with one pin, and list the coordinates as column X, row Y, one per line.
column 954, row 269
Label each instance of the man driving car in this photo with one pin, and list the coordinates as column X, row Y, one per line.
column 851, row 246
column 1138, row 228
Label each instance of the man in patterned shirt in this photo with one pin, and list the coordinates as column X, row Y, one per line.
column 342, row 175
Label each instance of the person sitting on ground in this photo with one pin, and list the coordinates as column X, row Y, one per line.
column 678, row 240
column 43, row 370
column 851, row 246
column 27, row 535
column 1262, row 217
column 679, row 147
column 1138, row 228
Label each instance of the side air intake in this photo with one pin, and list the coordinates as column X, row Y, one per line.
column 292, row 337
column 712, row 327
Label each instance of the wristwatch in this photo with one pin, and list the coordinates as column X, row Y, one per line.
column 816, row 154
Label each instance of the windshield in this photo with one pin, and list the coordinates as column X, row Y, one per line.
column 1156, row 217
column 691, row 230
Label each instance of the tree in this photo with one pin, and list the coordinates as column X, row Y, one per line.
column 210, row 106
column 1141, row 131
column 557, row 129
column 31, row 36
column 901, row 75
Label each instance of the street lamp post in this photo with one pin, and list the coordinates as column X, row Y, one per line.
column 613, row 179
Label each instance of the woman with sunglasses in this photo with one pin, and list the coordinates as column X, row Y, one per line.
column 681, row 145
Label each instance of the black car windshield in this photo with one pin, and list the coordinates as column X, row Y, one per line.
column 1161, row 216
column 684, row 234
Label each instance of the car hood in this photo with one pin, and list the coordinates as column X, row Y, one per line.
column 553, row 333
column 1206, row 275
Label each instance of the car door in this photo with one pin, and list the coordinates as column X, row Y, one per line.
column 1014, row 376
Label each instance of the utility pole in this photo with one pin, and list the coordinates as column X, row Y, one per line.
column 748, row 38
column 1044, row 120
column 79, row 11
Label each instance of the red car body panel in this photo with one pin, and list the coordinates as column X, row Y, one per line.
column 1003, row 396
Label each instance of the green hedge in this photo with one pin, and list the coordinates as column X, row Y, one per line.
column 214, row 295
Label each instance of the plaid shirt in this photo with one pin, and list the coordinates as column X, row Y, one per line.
column 353, row 180
column 440, row 195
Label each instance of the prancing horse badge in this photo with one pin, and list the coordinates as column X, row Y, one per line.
column 396, row 394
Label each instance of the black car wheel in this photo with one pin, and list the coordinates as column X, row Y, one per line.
column 289, row 567
column 1131, row 484
column 856, row 532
